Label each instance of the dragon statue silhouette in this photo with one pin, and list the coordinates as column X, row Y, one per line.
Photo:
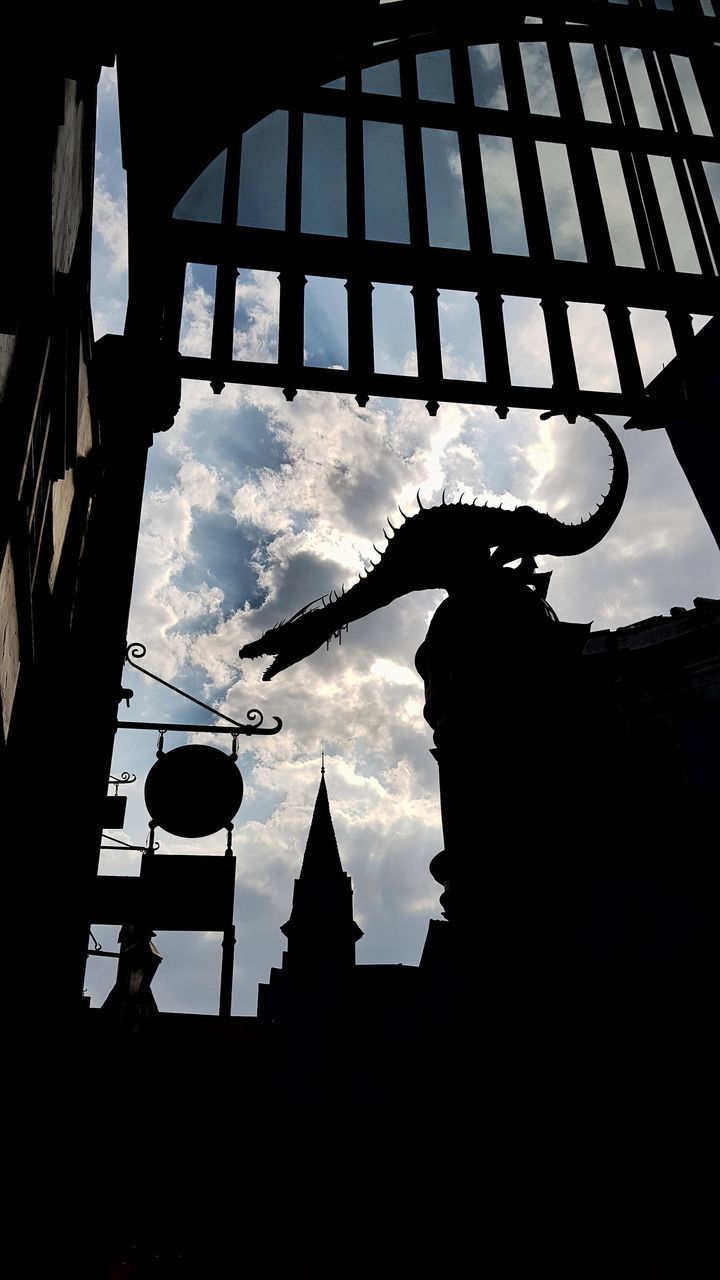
column 460, row 547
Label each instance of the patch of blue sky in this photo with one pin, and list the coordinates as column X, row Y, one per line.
column 257, row 316
column 565, row 229
column 222, row 554
column 527, row 342
column 386, row 202
column 692, row 98
column 384, row 78
column 198, row 310
column 203, row 199
column 461, row 342
column 447, row 216
column 244, row 441
column 326, row 326
column 434, row 76
column 682, row 245
column 592, row 347
column 712, row 174
column 263, row 172
column 539, row 78
column 653, row 340
column 487, row 76
column 641, row 89
column 108, row 149
column 324, row 180
column 618, row 210
column 502, row 191
column 592, row 93
column 394, row 329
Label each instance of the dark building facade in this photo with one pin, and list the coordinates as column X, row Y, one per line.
column 547, row 1098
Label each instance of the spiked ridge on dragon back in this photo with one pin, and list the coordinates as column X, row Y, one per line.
column 452, row 547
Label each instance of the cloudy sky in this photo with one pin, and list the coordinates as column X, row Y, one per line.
column 255, row 506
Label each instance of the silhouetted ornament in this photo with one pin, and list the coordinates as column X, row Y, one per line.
column 193, row 791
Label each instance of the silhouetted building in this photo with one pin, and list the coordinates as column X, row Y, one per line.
column 563, row 1118
column 317, row 967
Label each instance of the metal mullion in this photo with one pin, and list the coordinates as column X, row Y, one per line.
column 226, row 273
column 641, row 165
column 562, row 356
column 632, row 183
column 424, row 293
column 625, row 348
column 703, row 60
column 669, row 100
column 355, row 180
column 532, row 195
column 473, row 181
column 682, row 330
column 224, row 313
column 414, row 166
column 293, row 187
column 358, row 286
column 497, row 365
column 427, row 332
column 695, row 221
column 595, row 230
column 658, row 91
column 173, row 293
column 707, row 207
column 231, row 190
column 292, row 279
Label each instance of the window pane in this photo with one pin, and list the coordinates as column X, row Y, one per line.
column 539, row 79
column 198, row 310
column 618, row 211
column 435, row 76
column 203, row 201
column 712, row 173
column 487, row 77
column 673, row 211
column 386, row 204
column 447, row 219
column 384, row 78
column 394, row 329
column 527, row 344
column 592, row 346
column 565, row 230
column 324, row 198
column 257, row 309
column 594, row 102
column 653, row 341
column 263, row 165
column 335, row 84
column 507, row 225
column 642, row 94
column 461, row 342
column 326, row 340
column 694, row 105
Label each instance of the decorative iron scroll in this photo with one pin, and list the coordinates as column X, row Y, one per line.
column 256, row 717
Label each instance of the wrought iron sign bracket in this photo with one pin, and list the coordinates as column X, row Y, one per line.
column 252, row 729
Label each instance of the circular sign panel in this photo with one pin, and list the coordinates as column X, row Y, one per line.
column 193, row 791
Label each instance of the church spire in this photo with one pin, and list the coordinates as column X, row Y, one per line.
column 321, row 930
column 321, row 859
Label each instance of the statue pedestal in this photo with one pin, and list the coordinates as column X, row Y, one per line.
column 502, row 686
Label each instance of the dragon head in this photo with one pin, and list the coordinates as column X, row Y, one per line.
column 293, row 640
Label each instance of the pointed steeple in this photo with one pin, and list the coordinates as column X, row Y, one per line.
column 322, row 857
column 321, row 931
